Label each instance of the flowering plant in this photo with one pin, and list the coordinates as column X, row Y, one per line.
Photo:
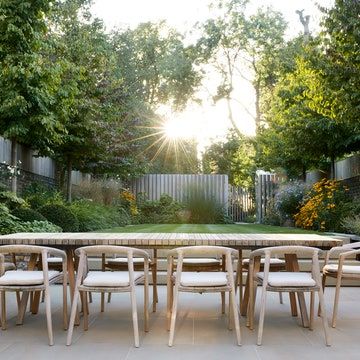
column 129, row 201
column 323, row 207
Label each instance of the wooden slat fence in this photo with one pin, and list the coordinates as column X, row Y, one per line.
column 241, row 204
column 179, row 185
column 265, row 185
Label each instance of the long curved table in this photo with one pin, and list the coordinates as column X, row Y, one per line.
column 70, row 241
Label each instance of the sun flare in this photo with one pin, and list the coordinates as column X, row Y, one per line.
column 179, row 129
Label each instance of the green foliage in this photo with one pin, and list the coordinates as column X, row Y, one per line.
column 288, row 199
column 352, row 224
column 39, row 226
column 8, row 222
column 26, row 214
column 164, row 211
column 235, row 157
column 10, row 200
column 204, row 209
column 92, row 216
column 272, row 216
column 38, row 195
column 61, row 216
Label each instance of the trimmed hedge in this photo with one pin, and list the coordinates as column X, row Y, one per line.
column 61, row 216
column 26, row 214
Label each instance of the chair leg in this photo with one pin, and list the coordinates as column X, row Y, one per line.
column 235, row 315
column 86, row 310
column 312, row 310
column 281, row 298
column 146, row 305
column 323, row 317
column 169, row 302
column 134, row 315
column 72, row 316
column 154, row 281
column 109, row 298
column 323, row 282
column 262, row 315
column 65, row 304
column 173, row 315
column 3, row 310
column 48, row 315
column 22, row 308
column 230, row 317
column 102, row 306
column 336, row 300
column 223, row 303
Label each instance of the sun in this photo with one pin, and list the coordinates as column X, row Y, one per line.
column 179, row 129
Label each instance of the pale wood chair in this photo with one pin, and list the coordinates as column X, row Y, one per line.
column 110, row 281
column 27, row 281
column 276, row 264
column 340, row 270
column 121, row 264
column 200, row 282
column 289, row 281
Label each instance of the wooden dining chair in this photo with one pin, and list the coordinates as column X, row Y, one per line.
column 200, row 282
column 110, row 281
column 340, row 270
column 287, row 281
column 28, row 281
column 121, row 264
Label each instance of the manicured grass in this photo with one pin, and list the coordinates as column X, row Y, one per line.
column 207, row 228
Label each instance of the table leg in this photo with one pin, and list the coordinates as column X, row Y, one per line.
column 291, row 259
column 240, row 278
column 154, row 279
column 289, row 267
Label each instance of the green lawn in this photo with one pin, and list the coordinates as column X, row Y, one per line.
column 207, row 228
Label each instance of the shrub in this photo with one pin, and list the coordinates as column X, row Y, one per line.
column 352, row 224
column 10, row 200
column 164, row 211
column 324, row 207
column 204, row 209
column 61, row 216
column 38, row 195
column 39, row 226
column 288, row 199
column 104, row 191
column 92, row 216
column 26, row 214
column 272, row 216
column 8, row 222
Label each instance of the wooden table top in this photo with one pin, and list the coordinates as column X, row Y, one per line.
column 169, row 240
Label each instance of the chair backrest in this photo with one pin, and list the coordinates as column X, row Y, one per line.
column 196, row 251
column 111, row 250
column 44, row 251
column 288, row 250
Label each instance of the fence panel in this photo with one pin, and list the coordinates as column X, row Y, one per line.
column 179, row 185
column 241, row 204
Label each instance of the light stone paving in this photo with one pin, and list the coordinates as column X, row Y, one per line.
column 201, row 332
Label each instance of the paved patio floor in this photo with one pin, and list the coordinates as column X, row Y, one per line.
column 201, row 332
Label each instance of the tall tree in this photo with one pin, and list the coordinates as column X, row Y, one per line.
column 29, row 80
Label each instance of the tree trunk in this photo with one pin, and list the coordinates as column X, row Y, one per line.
column 231, row 117
column 257, row 105
column 332, row 168
column 68, row 182
column 13, row 164
column 304, row 173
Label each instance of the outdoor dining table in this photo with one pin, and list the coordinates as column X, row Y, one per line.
column 155, row 241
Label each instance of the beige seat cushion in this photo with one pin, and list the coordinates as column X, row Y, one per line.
column 346, row 269
column 200, row 261
column 19, row 277
column 110, row 278
column 54, row 260
column 274, row 261
column 9, row 266
column 203, row 279
column 124, row 260
column 288, row 279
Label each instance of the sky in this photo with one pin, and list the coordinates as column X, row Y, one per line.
column 207, row 121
